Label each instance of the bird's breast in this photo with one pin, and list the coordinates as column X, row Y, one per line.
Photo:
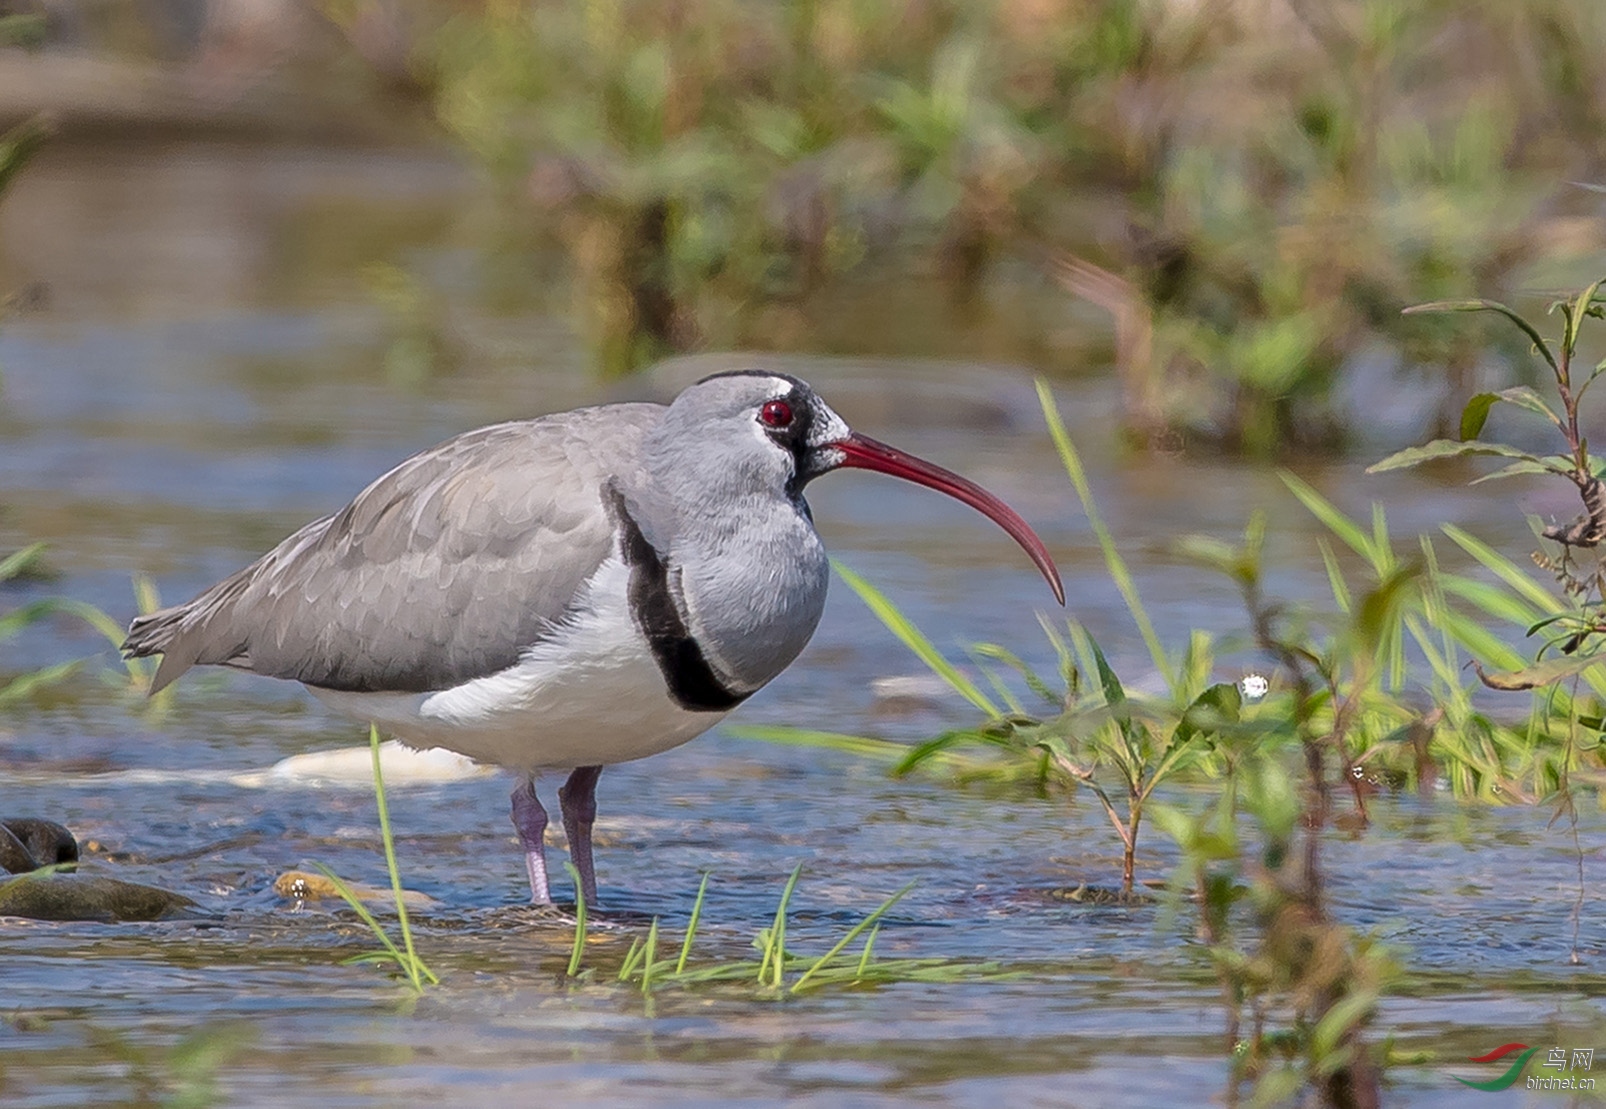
column 754, row 604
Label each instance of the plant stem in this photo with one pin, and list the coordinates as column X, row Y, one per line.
column 415, row 969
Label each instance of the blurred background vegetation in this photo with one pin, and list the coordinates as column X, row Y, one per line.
column 1237, row 198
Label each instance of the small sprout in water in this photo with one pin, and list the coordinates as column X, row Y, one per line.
column 1254, row 686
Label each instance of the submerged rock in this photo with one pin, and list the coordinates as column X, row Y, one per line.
column 59, row 896
column 302, row 885
column 1085, row 894
column 48, row 842
column 14, row 857
column 27, row 843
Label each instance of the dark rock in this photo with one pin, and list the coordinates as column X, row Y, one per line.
column 48, row 842
column 15, row 858
column 59, row 896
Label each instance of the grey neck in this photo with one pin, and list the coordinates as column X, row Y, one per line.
column 744, row 566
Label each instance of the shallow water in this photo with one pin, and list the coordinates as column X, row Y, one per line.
column 209, row 375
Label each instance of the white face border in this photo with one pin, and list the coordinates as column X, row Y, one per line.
column 828, row 430
column 825, row 426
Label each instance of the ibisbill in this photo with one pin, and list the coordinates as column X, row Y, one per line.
column 562, row 593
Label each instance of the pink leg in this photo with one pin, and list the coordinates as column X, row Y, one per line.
column 529, row 819
column 578, row 800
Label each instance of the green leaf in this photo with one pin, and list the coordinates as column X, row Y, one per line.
column 1524, row 397
column 18, row 618
column 931, row 748
column 1541, row 673
column 1488, row 306
column 862, row 746
column 914, row 639
column 20, row 144
column 1325, row 511
column 1507, row 571
column 1033, row 680
column 853, row 933
column 1476, row 414
column 1218, row 705
column 1114, row 693
column 1114, row 563
column 1375, row 616
column 1236, row 562
column 18, row 561
column 1455, row 448
column 1345, row 1013
column 1516, row 469
column 25, row 685
column 1575, row 319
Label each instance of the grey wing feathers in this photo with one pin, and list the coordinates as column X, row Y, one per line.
column 441, row 571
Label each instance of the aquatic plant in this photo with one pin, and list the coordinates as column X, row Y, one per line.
column 778, row 971
column 1340, row 712
column 405, row 958
column 1567, row 634
column 29, row 561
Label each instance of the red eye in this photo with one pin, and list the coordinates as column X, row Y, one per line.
column 776, row 413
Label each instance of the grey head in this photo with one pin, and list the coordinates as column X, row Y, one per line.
column 755, row 433
column 722, row 500
column 743, row 434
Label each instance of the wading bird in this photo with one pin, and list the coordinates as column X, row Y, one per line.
column 562, row 593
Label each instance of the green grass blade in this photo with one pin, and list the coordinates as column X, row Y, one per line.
column 1033, row 680
column 26, row 685
column 349, row 896
column 913, row 638
column 1327, row 512
column 1335, row 575
column 775, row 943
column 578, row 950
column 853, row 933
column 17, row 561
column 691, row 925
column 632, row 957
column 649, row 957
column 416, row 970
column 862, row 746
column 869, row 946
column 1113, row 561
column 1506, row 570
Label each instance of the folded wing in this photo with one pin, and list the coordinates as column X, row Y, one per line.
column 441, row 571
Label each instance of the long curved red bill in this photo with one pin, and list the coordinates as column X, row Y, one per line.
column 865, row 453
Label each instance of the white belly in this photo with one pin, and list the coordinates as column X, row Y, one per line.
column 590, row 694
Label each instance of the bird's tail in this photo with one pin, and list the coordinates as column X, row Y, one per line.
column 196, row 631
column 163, row 633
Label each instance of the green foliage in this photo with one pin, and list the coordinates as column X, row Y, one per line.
column 1298, row 989
column 183, row 1075
column 1573, row 623
column 1371, row 694
column 778, row 971
column 405, row 958
column 27, row 562
column 22, row 142
column 1267, row 193
column 18, row 146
